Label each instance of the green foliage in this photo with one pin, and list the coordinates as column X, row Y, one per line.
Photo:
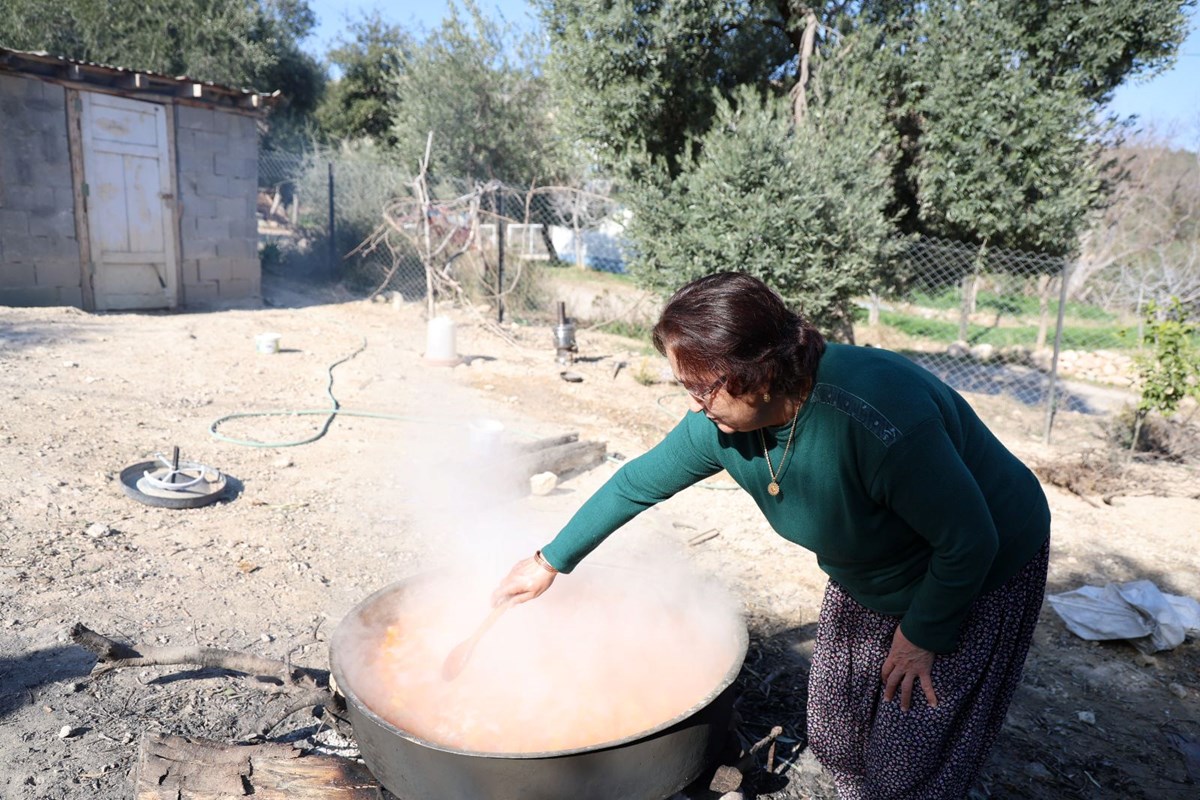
column 484, row 102
column 241, row 43
column 1006, row 157
column 800, row 207
column 357, row 104
column 993, row 103
column 1171, row 371
column 365, row 180
column 1095, row 47
column 634, row 76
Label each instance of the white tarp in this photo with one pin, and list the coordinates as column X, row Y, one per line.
column 1137, row 611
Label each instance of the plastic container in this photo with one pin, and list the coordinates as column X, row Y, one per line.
column 440, row 345
column 267, row 343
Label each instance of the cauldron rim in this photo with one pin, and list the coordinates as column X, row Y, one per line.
column 738, row 657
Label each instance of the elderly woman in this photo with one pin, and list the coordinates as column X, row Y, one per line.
column 934, row 536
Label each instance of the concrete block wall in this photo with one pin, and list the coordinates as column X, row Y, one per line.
column 39, row 252
column 217, row 153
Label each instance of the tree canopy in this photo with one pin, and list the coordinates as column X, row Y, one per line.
column 243, row 43
column 358, row 103
column 474, row 84
column 800, row 206
column 993, row 102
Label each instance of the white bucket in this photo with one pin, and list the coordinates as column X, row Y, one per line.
column 267, row 342
column 440, row 345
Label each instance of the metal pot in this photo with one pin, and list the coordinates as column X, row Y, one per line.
column 650, row 765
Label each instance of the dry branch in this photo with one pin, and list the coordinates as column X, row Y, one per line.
column 115, row 655
column 312, row 684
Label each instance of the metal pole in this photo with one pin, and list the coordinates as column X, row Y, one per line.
column 500, row 255
column 333, row 259
column 1051, row 398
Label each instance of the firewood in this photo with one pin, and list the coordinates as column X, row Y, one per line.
column 543, row 444
column 183, row 768
column 115, row 655
column 561, row 459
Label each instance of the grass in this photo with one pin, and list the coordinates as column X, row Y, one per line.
column 630, row 330
column 1014, row 305
column 569, row 272
column 1075, row 337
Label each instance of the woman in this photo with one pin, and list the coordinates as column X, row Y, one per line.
column 935, row 538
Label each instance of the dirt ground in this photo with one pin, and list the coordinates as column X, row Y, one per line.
column 309, row 531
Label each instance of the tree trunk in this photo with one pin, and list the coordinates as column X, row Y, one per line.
column 807, row 44
column 970, row 287
column 1044, row 284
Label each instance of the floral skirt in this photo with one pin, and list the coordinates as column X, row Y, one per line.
column 875, row 751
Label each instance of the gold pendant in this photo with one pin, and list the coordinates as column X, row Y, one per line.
column 772, row 488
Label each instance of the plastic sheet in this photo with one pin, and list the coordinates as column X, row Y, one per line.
column 1136, row 611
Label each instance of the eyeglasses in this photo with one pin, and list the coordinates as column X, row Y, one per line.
column 705, row 395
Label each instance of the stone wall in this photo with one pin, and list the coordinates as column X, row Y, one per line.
column 217, row 154
column 39, row 252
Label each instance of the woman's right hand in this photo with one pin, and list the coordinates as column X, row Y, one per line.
column 526, row 580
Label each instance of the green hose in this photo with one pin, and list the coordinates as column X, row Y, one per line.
column 334, row 410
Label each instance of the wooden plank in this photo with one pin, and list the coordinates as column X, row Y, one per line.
column 542, row 444
column 174, row 210
column 563, row 459
column 82, row 237
column 183, row 768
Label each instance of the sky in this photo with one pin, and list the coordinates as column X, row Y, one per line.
column 1169, row 102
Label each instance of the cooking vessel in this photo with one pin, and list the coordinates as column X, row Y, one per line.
column 650, row 765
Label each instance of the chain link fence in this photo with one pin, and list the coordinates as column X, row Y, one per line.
column 1001, row 322
column 361, row 219
column 985, row 320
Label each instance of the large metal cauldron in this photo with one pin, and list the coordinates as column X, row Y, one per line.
column 650, row 765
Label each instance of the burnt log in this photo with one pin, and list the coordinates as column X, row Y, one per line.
column 183, row 768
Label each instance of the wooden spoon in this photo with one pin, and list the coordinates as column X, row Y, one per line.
column 457, row 660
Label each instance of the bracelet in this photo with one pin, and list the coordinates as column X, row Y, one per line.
column 541, row 560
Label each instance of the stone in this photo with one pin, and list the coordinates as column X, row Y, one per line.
column 1087, row 717
column 983, row 352
column 543, row 483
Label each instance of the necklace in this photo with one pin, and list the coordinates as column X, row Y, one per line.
column 773, row 486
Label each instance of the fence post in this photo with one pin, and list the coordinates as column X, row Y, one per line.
column 333, row 260
column 500, row 255
column 1051, row 390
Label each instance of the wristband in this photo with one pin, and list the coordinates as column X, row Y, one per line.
column 541, row 560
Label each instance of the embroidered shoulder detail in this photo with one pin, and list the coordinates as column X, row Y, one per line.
column 860, row 410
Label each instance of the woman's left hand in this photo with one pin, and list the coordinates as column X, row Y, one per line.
column 907, row 663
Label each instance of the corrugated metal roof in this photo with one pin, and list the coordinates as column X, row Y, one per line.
column 133, row 83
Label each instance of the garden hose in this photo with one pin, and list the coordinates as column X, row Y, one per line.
column 335, row 409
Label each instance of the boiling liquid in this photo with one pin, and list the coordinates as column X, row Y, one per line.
column 588, row 663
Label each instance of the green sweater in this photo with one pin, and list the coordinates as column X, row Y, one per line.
column 906, row 498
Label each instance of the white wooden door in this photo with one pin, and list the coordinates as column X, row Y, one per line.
column 127, row 174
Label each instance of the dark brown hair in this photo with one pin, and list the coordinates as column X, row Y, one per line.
column 733, row 325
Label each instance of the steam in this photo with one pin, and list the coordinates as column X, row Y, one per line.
column 631, row 640
column 608, row 653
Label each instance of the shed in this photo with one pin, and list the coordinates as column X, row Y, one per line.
column 125, row 190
